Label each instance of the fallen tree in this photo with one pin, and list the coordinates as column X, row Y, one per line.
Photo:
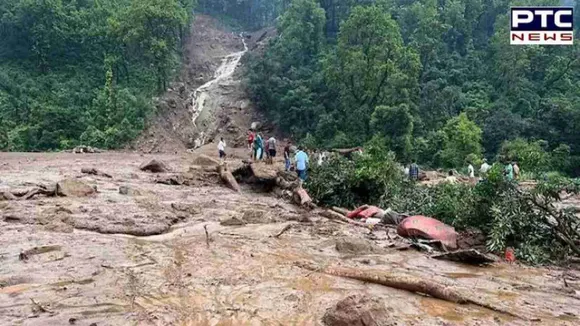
column 406, row 283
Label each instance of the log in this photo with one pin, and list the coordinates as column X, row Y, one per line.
column 332, row 215
column 340, row 210
column 406, row 283
column 228, row 178
column 301, row 197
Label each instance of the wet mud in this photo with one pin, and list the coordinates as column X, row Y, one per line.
column 142, row 257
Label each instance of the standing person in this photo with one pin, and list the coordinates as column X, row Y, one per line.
column 301, row 159
column 414, row 171
column 272, row 149
column 222, row 148
column 509, row 171
column 516, row 170
column 451, row 178
column 258, row 147
column 287, row 156
column 251, row 137
column 266, row 146
column 471, row 171
column 484, row 168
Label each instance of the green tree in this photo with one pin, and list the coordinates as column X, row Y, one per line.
column 462, row 138
column 395, row 124
column 371, row 67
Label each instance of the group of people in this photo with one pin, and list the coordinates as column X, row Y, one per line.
column 258, row 147
column 511, row 171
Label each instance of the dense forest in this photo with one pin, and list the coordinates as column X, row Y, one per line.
column 436, row 80
column 84, row 71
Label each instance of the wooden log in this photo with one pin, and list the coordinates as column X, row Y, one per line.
column 301, row 197
column 228, row 178
column 341, row 210
column 332, row 215
column 406, row 283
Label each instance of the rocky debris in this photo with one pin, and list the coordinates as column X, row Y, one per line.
column 74, row 188
column 358, row 310
column 86, row 149
column 26, row 254
column 256, row 217
column 128, row 191
column 155, row 166
column 6, row 195
column 184, row 211
column 136, row 225
column 354, row 246
column 93, row 171
column 469, row 256
column 233, row 221
column 172, row 180
column 204, row 160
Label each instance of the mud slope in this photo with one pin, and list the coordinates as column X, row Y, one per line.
column 206, row 100
column 240, row 275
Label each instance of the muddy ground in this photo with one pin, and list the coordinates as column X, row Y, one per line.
column 240, row 275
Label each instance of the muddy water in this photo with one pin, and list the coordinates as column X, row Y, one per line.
column 243, row 277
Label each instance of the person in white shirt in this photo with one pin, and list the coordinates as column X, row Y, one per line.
column 222, row 148
column 471, row 171
column 484, row 168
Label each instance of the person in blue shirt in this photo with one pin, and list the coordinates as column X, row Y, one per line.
column 301, row 159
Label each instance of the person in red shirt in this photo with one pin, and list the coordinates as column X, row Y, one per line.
column 251, row 137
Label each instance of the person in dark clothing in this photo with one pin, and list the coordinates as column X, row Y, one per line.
column 414, row 171
column 287, row 156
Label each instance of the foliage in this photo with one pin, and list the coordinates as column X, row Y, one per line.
column 461, row 141
column 395, row 124
column 440, row 59
column 74, row 68
column 508, row 215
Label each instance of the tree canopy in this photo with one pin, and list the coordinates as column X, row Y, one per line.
column 447, row 63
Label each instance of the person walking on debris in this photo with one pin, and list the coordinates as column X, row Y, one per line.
column 414, row 171
column 258, row 147
column 272, row 149
column 451, row 178
column 222, row 148
column 509, row 171
column 484, row 168
column 301, row 159
column 471, row 171
column 287, row 156
column 251, row 137
column 516, row 170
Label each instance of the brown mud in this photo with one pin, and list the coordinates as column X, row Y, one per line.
column 241, row 275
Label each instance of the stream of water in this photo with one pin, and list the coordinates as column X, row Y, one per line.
column 201, row 94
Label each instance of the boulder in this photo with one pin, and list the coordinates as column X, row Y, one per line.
column 232, row 222
column 354, row 246
column 6, row 195
column 154, row 166
column 204, row 160
column 74, row 188
column 358, row 310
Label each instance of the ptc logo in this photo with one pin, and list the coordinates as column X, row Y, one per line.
column 542, row 26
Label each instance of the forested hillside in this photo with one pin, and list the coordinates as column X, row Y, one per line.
column 84, row 71
column 434, row 80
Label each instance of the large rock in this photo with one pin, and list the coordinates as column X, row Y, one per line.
column 74, row 188
column 204, row 160
column 154, row 166
column 358, row 310
column 354, row 246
